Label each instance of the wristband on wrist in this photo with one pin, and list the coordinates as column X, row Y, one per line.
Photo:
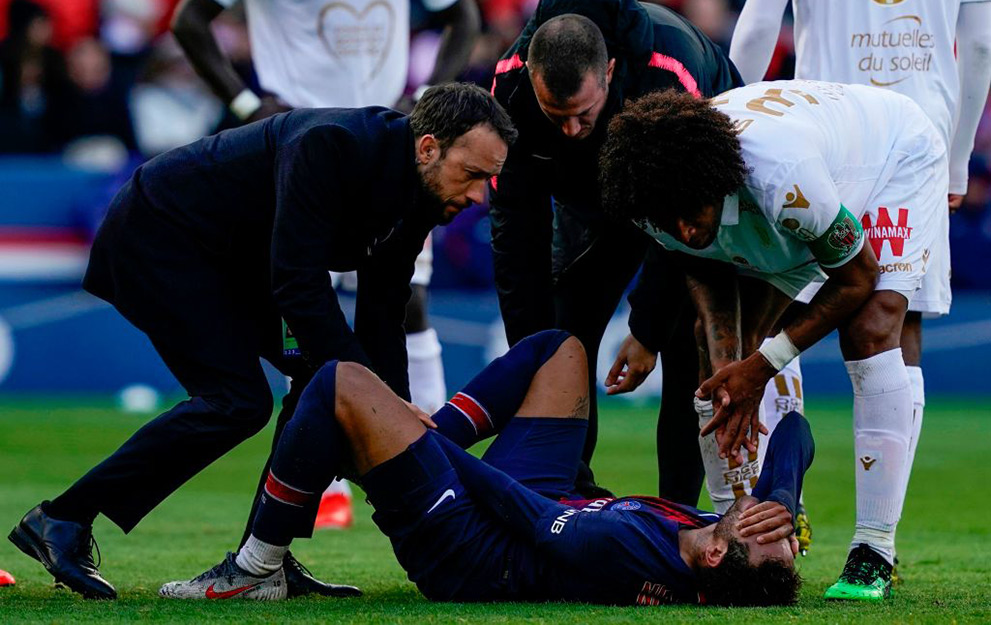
column 420, row 91
column 779, row 351
column 245, row 104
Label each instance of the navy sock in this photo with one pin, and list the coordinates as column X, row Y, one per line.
column 486, row 404
column 310, row 453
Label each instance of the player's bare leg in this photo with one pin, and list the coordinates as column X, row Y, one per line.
column 727, row 479
column 882, row 415
column 347, row 423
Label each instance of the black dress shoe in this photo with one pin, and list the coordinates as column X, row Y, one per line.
column 65, row 548
column 299, row 582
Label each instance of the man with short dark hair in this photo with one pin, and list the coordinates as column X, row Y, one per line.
column 560, row 262
column 778, row 184
column 509, row 526
column 219, row 251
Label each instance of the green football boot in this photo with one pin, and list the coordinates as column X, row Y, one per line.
column 803, row 530
column 866, row 577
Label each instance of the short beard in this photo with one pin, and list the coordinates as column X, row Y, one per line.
column 725, row 525
column 430, row 187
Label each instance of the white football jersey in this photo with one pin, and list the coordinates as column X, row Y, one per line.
column 903, row 45
column 810, row 148
column 332, row 53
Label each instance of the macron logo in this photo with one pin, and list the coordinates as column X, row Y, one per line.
column 447, row 493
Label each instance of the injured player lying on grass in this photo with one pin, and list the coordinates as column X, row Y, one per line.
column 508, row 526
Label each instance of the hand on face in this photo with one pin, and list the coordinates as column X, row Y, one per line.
column 768, row 529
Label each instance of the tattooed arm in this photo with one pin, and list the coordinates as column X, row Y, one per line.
column 713, row 289
column 846, row 290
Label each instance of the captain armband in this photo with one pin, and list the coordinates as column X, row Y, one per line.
column 841, row 241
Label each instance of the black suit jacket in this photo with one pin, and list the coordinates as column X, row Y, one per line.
column 278, row 203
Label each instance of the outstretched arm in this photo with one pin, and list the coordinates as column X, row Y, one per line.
column 755, row 37
column 191, row 27
column 462, row 25
column 974, row 68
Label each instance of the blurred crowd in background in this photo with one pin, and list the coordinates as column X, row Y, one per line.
column 104, row 83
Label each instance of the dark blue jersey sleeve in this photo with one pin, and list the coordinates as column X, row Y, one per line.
column 600, row 557
column 789, row 455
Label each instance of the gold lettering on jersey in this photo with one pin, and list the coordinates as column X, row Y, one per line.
column 759, row 105
column 895, row 53
column 795, row 200
column 808, row 97
column 775, row 96
column 359, row 39
column 741, row 124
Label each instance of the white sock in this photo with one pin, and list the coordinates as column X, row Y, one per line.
column 338, row 486
column 918, row 408
column 882, row 426
column 726, row 479
column 426, row 370
column 260, row 558
column 783, row 394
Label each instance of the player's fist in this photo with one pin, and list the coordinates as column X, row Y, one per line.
column 955, row 201
column 633, row 364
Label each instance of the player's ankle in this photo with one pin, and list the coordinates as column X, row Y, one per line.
column 259, row 558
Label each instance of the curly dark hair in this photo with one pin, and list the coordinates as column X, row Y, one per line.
column 737, row 582
column 450, row 110
column 667, row 155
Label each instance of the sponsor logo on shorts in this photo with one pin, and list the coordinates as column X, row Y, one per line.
column 893, row 267
column 627, row 505
column 796, row 199
column 447, row 493
column 895, row 233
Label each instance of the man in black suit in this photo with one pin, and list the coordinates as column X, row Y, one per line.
column 219, row 252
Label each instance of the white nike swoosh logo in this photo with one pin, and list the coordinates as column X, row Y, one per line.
column 447, row 493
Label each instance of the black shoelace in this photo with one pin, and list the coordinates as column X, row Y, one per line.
column 85, row 549
column 224, row 569
column 861, row 570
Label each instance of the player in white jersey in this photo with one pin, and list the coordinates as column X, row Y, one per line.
column 937, row 52
column 348, row 53
column 780, row 180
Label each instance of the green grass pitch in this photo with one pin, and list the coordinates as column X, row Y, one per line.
column 944, row 539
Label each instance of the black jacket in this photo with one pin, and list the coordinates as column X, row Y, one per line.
column 278, row 203
column 655, row 49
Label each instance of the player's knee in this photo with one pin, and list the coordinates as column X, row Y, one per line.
column 352, row 385
column 874, row 329
column 573, row 351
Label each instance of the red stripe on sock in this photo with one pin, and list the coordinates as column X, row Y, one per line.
column 476, row 413
column 285, row 493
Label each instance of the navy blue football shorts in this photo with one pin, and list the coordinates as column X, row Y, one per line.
column 452, row 548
